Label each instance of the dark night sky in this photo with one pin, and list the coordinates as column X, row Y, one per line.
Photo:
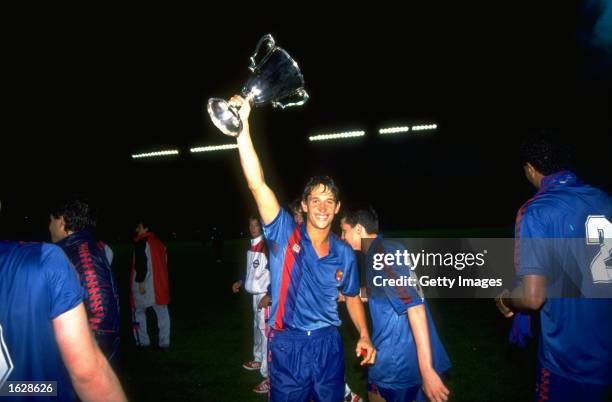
column 86, row 97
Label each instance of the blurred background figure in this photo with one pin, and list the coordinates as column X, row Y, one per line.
column 149, row 286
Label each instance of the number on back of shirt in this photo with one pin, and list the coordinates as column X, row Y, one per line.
column 599, row 232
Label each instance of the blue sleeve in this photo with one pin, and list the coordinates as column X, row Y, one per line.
column 350, row 287
column 533, row 246
column 65, row 289
column 278, row 231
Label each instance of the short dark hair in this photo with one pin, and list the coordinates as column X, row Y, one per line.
column 296, row 206
column 77, row 213
column 545, row 152
column 255, row 218
column 316, row 181
column 365, row 217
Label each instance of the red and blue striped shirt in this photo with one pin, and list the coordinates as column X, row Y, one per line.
column 304, row 286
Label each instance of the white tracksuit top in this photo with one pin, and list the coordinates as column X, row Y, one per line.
column 257, row 278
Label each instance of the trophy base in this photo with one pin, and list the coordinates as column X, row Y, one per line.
column 224, row 116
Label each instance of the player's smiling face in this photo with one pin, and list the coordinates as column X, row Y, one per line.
column 321, row 207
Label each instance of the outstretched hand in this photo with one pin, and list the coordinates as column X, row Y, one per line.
column 244, row 110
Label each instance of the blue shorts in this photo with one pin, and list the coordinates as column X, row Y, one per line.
column 306, row 365
column 395, row 395
column 553, row 388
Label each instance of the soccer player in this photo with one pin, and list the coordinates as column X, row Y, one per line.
column 298, row 216
column 410, row 355
column 307, row 266
column 44, row 333
column 563, row 245
column 70, row 225
column 256, row 282
column 149, row 286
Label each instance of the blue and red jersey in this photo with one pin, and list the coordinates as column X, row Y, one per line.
column 305, row 287
column 564, row 233
column 397, row 365
column 101, row 295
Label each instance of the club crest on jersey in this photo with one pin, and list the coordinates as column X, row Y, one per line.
column 255, row 263
column 339, row 275
column 296, row 248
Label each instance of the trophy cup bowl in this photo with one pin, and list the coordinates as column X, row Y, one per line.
column 275, row 78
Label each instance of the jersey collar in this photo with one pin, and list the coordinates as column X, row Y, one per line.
column 562, row 178
column 333, row 240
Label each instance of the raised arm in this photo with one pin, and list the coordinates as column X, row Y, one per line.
column 267, row 204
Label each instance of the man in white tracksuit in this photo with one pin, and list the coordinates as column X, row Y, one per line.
column 149, row 286
column 256, row 282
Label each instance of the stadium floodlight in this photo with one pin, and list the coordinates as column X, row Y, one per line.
column 424, row 127
column 211, row 148
column 336, row 136
column 394, row 130
column 166, row 152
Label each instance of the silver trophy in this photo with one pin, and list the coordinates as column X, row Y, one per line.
column 275, row 79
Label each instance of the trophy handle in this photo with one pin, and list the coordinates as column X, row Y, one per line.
column 298, row 98
column 268, row 40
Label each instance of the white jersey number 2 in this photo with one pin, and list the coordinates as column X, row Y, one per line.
column 6, row 365
column 599, row 232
